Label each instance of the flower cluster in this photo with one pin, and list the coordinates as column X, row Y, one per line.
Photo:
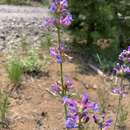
column 55, row 53
column 58, row 54
column 62, row 16
column 102, row 123
column 60, row 9
column 119, row 91
column 123, row 67
column 57, row 89
column 77, row 111
column 125, row 56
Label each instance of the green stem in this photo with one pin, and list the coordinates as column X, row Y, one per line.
column 61, row 65
column 119, row 104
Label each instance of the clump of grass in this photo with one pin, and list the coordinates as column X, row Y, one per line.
column 31, row 62
column 24, row 43
column 15, row 71
column 103, row 96
column 122, row 117
column 4, row 105
column 105, row 64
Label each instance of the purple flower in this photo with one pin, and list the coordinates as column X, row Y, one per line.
column 101, row 122
column 55, row 53
column 119, row 91
column 121, row 70
column 55, row 88
column 59, row 59
column 71, row 104
column 48, row 22
column 84, row 99
column 62, row 47
column 59, row 6
column 95, row 107
column 71, row 123
column 125, row 56
column 68, row 83
column 53, row 8
column 107, row 124
column 128, row 48
column 66, row 20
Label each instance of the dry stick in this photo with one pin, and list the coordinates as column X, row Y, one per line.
column 97, row 70
column 119, row 103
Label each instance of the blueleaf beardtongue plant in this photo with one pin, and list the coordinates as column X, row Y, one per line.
column 121, row 71
column 61, row 18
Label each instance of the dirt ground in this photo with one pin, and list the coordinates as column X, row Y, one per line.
column 32, row 107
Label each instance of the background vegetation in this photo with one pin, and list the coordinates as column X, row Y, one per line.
column 102, row 26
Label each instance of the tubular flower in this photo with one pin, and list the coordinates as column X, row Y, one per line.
column 55, row 53
column 102, row 123
column 59, row 6
column 119, row 91
column 68, row 83
column 66, row 20
column 57, row 89
column 125, row 56
column 121, row 70
column 49, row 22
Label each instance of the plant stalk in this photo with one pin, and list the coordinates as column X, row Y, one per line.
column 119, row 103
column 61, row 71
column 79, row 124
column 61, row 65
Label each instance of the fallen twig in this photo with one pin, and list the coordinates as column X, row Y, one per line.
column 98, row 71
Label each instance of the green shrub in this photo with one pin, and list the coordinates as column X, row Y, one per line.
column 98, row 20
column 15, row 71
column 122, row 118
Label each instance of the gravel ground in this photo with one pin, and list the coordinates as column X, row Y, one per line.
column 16, row 21
column 9, row 11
